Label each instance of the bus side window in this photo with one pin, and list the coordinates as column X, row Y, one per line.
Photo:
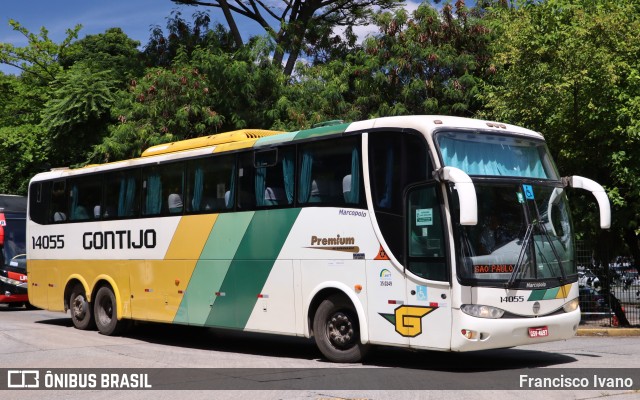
column 163, row 189
column 84, row 195
column 329, row 173
column 58, row 209
column 209, row 184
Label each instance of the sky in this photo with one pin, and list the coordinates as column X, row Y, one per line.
column 135, row 17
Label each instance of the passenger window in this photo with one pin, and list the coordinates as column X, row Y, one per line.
column 329, row 173
column 266, row 178
column 59, row 210
column 122, row 195
column 163, row 190
column 85, row 195
column 210, row 184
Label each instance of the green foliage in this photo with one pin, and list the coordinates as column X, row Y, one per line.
column 78, row 112
column 162, row 48
column 24, row 154
column 111, row 51
column 428, row 62
column 164, row 106
column 39, row 59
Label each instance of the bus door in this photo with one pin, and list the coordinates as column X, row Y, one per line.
column 427, row 315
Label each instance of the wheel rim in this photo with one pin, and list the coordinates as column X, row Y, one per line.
column 78, row 307
column 105, row 311
column 340, row 330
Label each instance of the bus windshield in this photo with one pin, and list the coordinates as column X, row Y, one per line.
column 523, row 235
column 496, row 155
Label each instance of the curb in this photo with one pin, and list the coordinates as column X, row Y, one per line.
column 608, row 332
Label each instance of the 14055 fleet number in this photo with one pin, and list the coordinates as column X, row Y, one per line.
column 48, row 242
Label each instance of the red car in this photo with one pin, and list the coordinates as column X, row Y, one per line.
column 13, row 262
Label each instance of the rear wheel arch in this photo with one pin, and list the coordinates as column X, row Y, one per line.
column 336, row 288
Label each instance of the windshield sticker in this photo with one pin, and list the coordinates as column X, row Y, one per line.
column 528, row 192
column 520, row 197
column 424, row 217
column 421, row 293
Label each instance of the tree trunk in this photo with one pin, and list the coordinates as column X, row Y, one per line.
column 233, row 27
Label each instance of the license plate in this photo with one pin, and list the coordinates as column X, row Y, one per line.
column 541, row 331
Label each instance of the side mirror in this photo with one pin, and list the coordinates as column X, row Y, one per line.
column 598, row 192
column 466, row 193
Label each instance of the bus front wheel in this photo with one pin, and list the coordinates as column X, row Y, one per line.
column 336, row 330
column 81, row 312
column 106, row 314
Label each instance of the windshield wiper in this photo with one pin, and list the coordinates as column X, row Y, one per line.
column 531, row 225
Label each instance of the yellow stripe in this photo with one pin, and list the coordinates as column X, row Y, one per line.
column 190, row 237
column 235, row 146
column 563, row 293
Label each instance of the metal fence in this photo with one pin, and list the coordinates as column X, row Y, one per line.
column 604, row 288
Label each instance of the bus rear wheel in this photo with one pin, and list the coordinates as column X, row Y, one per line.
column 106, row 314
column 81, row 312
column 337, row 332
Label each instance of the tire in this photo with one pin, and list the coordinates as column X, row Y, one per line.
column 106, row 314
column 337, row 331
column 81, row 310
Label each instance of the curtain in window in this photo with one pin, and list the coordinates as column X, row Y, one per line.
column 353, row 196
column 127, row 197
column 261, row 176
column 230, row 195
column 198, row 187
column 478, row 158
column 289, row 176
column 387, row 200
column 304, row 191
column 153, row 201
column 74, row 202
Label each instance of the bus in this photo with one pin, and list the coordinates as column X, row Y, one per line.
column 13, row 262
column 427, row 232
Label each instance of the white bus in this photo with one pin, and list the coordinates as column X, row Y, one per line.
column 429, row 232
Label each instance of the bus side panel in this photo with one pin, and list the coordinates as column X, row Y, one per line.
column 275, row 310
column 385, row 293
column 37, row 278
column 167, row 282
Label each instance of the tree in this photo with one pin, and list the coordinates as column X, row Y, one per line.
column 77, row 115
column 162, row 47
column 39, row 58
column 302, row 25
column 426, row 62
column 164, row 106
column 111, row 51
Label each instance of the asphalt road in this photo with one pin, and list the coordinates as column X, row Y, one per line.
column 42, row 340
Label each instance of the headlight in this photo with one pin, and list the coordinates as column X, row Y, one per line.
column 571, row 306
column 479, row 311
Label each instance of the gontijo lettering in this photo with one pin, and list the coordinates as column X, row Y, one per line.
column 124, row 239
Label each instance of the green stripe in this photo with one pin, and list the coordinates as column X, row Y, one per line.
column 537, row 295
column 210, row 270
column 551, row 293
column 281, row 138
column 322, row 131
column 251, row 267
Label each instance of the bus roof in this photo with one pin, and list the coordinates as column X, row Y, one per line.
column 254, row 138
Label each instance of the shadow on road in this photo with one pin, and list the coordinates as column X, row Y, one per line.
column 261, row 344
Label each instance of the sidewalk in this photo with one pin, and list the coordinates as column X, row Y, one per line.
column 604, row 331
